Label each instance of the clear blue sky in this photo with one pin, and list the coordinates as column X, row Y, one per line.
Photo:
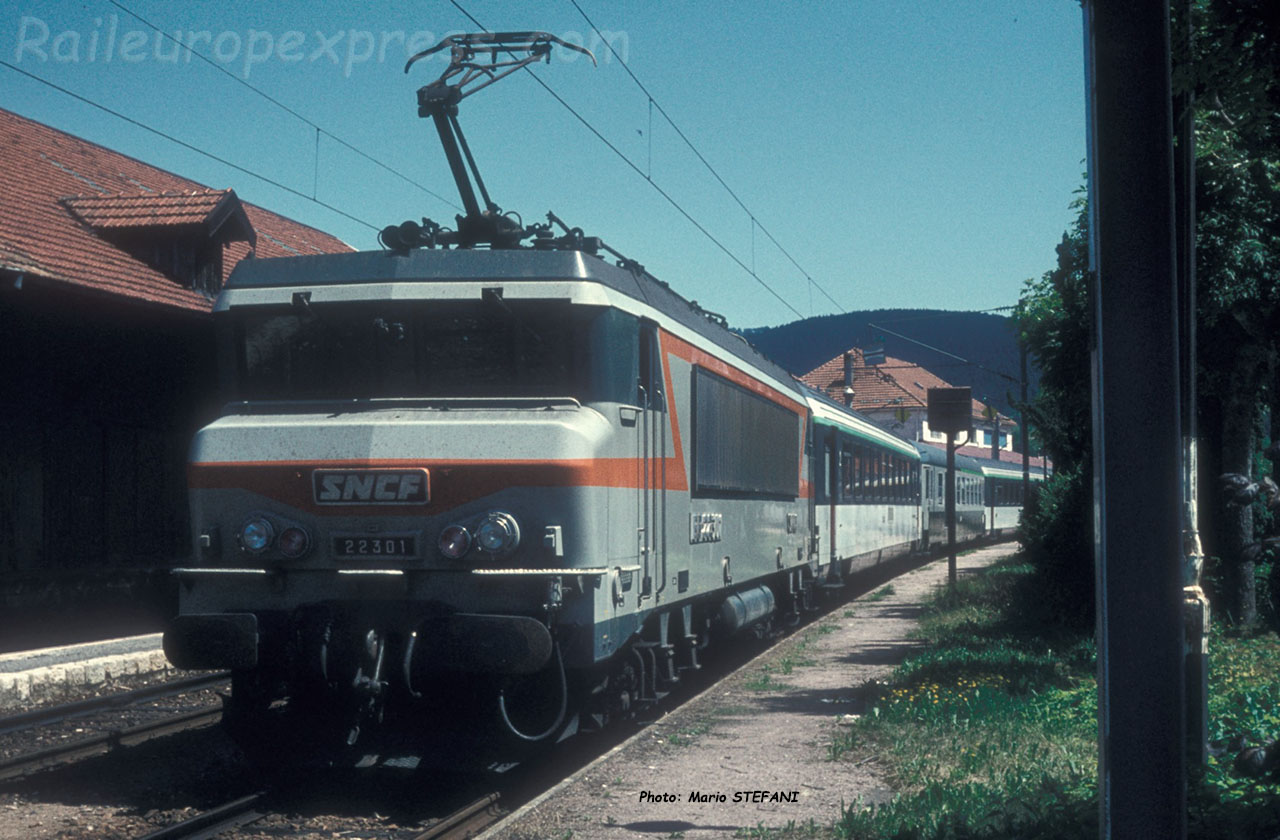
column 906, row 154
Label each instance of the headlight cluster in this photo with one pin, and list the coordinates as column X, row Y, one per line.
column 495, row 533
column 258, row 535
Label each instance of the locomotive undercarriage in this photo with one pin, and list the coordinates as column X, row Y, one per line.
column 371, row 682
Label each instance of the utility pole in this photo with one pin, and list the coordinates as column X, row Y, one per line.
column 1026, row 442
column 1137, row 437
column 951, row 411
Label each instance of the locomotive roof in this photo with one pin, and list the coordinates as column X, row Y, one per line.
column 496, row 266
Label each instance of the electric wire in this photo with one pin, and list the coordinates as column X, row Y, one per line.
column 636, row 168
column 961, row 359
column 655, row 104
column 319, row 130
column 188, row 146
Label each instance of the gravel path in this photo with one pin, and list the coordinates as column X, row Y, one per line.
column 759, row 737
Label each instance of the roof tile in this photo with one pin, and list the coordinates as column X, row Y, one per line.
column 894, row 383
column 58, row 191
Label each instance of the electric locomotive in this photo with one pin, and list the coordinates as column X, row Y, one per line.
column 470, row 485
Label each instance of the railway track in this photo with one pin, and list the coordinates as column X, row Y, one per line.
column 234, row 814
column 467, row 821
column 106, row 742
column 67, row 711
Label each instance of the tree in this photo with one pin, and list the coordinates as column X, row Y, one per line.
column 1232, row 68
column 1053, row 318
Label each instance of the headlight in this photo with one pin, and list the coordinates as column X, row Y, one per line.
column 498, row 533
column 454, row 542
column 294, row 542
column 256, row 535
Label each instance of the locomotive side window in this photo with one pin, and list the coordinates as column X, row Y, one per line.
column 651, row 379
column 728, row 418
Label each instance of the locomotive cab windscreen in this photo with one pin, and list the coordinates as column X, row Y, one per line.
column 489, row 348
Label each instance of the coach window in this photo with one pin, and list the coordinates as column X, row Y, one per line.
column 859, row 472
column 846, row 474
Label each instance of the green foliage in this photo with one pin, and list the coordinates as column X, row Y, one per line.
column 1053, row 319
column 1057, row 536
column 764, row 680
column 1244, row 707
column 990, row 732
column 1231, row 67
column 880, row 594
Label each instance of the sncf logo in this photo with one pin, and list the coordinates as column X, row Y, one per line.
column 370, row 487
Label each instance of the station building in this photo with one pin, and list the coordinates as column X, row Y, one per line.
column 108, row 272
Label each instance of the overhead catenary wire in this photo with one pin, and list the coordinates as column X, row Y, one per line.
column 184, row 144
column 636, row 168
column 319, row 129
column 653, row 103
column 961, row 359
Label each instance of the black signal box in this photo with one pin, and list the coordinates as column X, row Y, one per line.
column 950, row 410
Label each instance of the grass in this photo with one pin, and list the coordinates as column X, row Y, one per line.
column 685, row 735
column 881, row 593
column 990, row 731
column 765, row 681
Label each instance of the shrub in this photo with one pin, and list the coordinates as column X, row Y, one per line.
column 1057, row 536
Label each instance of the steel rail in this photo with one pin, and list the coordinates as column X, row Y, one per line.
column 106, row 742
column 213, row 822
column 65, row 711
column 467, row 821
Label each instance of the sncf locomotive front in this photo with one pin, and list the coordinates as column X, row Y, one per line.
column 422, row 502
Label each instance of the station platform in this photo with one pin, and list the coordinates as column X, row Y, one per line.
column 34, row 676
column 752, row 751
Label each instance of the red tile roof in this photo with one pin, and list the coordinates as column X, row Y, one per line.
column 147, row 209
column 892, row 384
column 58, row 191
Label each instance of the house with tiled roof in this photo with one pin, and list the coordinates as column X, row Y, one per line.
column 108, row 272
column 895, row 394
